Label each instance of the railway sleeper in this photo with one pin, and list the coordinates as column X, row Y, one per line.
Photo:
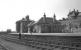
column 78, row 49
column 47, row 47
column 43, row 47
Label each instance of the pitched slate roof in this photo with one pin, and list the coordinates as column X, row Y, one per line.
column 74, row 13
column 48, row 20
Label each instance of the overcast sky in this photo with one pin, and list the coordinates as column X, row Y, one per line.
column 13, row 10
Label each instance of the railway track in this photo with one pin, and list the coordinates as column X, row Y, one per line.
column 2, row 47
column 48, row 42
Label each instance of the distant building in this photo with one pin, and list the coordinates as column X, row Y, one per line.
column 25, row 22
column 9, row 31
column 46, row 25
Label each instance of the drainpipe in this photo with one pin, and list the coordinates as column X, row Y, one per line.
column 20, row 30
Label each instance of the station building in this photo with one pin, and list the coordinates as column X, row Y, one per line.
column 50, row 25
column 22, row 24
column 73, row 22
column 46, row 25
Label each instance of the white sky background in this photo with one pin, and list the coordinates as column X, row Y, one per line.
column 13, row 10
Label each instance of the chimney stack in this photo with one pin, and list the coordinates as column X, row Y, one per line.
column 74, row 10
column 77, row 11
column 54, row 18
column 44, row 18
column 27, row 17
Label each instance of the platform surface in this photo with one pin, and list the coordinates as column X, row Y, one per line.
column 52, row 34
